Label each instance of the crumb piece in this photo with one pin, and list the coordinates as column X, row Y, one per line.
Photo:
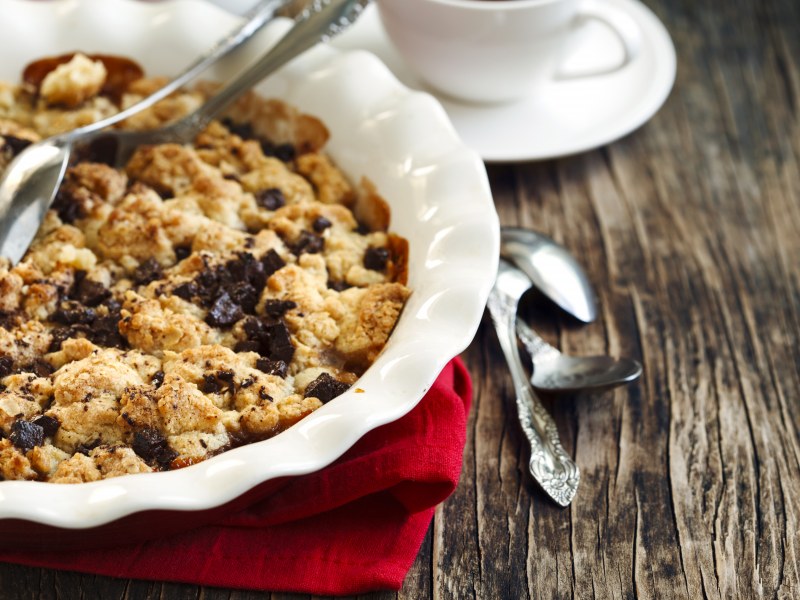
column 74, row 82
column 329, row 182
column 76, row 469
column 45, row 459
column 366, row 327
column 113, row 461
column 13, row 463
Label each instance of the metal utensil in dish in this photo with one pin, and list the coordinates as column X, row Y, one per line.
column 29, row 185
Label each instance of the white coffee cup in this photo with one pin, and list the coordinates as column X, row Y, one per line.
column 493, row 51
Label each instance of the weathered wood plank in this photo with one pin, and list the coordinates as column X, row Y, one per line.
column 690, row 231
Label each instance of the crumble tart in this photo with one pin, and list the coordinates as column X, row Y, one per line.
column 206, row 296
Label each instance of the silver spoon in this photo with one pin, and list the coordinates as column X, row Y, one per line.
column 29, row 185
column 555, row 272
column 552, row 269
column 550, row 465
column 559, row 373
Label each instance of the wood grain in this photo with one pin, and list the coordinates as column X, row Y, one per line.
column 689, row 229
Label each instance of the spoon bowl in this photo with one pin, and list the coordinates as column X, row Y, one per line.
column 26, row 194
column 552, row 269
column 576, row 374
column 555, row 372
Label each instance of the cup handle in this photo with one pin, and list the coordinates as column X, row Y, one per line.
column 620, row 23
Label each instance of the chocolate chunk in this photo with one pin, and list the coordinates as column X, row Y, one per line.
column 148, row 271
column 6, row 366
column 247, row 346
column 14, row 145
column 273, row 367
column 307, row 242
column 165, row 458
column 207, row 279
column 255, row 273
column 77, row 277
column 113, row 305
column 363, row 229
column 326, row 388
column 88, row 292
column 277, row 308
column 72, row 313
column 26, row 435
column 67, row 206
column 102, row 149
column 254, row 329
column 163, row 191
column 279, row 342
column 227, row 377
column 243, row 130
column 224, row 312
column 86, row 448
column 375, row 258
column 272, row 261
column 246, row 268
column 246, row 296
column 59, row 334
column 105, row 332
column 182, row 253
column 158, row 379
column 8, row 320
column 48, row 424
column 271, row 198
column 151, row 445
column 320, row 224
column 91, row 293
column 284, row 152
column 218, row 383
column 205, row 287
column 185, row 290
column 234, row 270
column 40, row 368
column 210, row 385
column 272, row 337
column 338, row 286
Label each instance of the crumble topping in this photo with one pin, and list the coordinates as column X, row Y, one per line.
column 203, row 297
column 73, row 82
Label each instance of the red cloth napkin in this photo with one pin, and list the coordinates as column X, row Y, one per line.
column 353, row 527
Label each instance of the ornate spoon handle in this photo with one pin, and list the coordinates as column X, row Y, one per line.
column 539, row 350
column 550, row 465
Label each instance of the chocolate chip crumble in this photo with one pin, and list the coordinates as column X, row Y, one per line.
column 205, row 296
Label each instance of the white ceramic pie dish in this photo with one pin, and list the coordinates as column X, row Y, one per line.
column 402, row 140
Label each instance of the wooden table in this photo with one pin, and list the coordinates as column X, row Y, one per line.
column 690, row 230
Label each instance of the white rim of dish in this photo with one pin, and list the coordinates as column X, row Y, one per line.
column 449, row 289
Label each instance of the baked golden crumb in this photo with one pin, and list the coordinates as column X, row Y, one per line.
column 204, row 297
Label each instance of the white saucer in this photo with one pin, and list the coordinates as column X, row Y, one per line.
column 565, row 117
